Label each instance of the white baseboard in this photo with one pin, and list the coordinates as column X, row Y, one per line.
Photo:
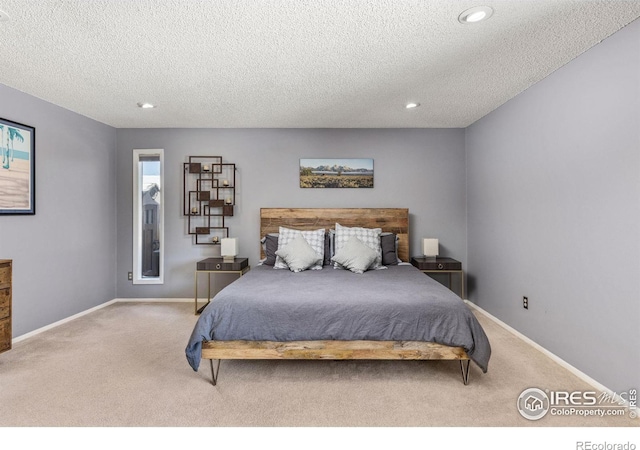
column 61, row 322
column 583, row 376
column 156, row 300
column 95, row 308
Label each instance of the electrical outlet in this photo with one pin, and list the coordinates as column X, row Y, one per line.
column 525, row 302
column 130, row 276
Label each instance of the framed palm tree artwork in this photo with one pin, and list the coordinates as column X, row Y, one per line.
column 17, row 168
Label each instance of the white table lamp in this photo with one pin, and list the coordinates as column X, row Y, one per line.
column 228, row 249
column 430, row 248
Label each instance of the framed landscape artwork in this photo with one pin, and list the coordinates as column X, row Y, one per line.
column 336, row 173
column 17, row 171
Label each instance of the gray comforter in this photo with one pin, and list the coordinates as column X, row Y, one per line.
column 396, row 304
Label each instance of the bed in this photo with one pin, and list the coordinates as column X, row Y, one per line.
column 396, row 312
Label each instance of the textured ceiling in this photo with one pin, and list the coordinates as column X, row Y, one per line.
column 292, row 63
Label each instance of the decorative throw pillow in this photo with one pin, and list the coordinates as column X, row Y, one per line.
column 328, row 240
column 332, row 244
column 355, row 255
column 314, row 238
column 298, row 254
column 389, row 245
column 369, row 236
column 269, row 246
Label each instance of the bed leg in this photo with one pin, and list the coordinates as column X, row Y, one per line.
column 464, row 368
column 214, row 373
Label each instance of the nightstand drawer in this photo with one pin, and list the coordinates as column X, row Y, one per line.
column 436, row 264
column 218, row 264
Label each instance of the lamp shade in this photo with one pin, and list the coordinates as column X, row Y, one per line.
column 229, row 247
column 430, row 247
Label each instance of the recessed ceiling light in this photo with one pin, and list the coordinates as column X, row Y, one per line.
column 3, row 16
column 476, row 14
column 146, row 105
column 412, row 105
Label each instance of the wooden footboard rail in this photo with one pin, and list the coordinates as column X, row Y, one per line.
column 333, row 350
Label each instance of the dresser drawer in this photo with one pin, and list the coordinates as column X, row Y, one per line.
column 5, row 303
column 5, row 275
column 5, row 334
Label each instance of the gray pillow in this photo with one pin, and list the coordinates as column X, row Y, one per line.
column 389, row 244
column 298, row 255
column 328, row 250
column 355, row 255
column 270, row 245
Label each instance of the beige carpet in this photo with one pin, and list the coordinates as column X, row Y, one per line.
column 124, row 365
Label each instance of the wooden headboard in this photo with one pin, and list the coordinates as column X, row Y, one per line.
column 394, row 220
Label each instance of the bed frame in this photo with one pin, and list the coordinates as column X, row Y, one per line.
column 395, row 220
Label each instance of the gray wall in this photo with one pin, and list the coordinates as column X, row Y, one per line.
column 553, row 186
column 64, row 255
column 422, row 170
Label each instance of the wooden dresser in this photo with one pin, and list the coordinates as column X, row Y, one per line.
column 5, row 305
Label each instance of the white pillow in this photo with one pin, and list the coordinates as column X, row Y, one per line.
column 314, row 238
column 298, row 254
column 369, row 237
column 355, row 256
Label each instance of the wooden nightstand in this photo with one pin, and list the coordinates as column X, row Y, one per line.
column 239, row 266
column 440, row 265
